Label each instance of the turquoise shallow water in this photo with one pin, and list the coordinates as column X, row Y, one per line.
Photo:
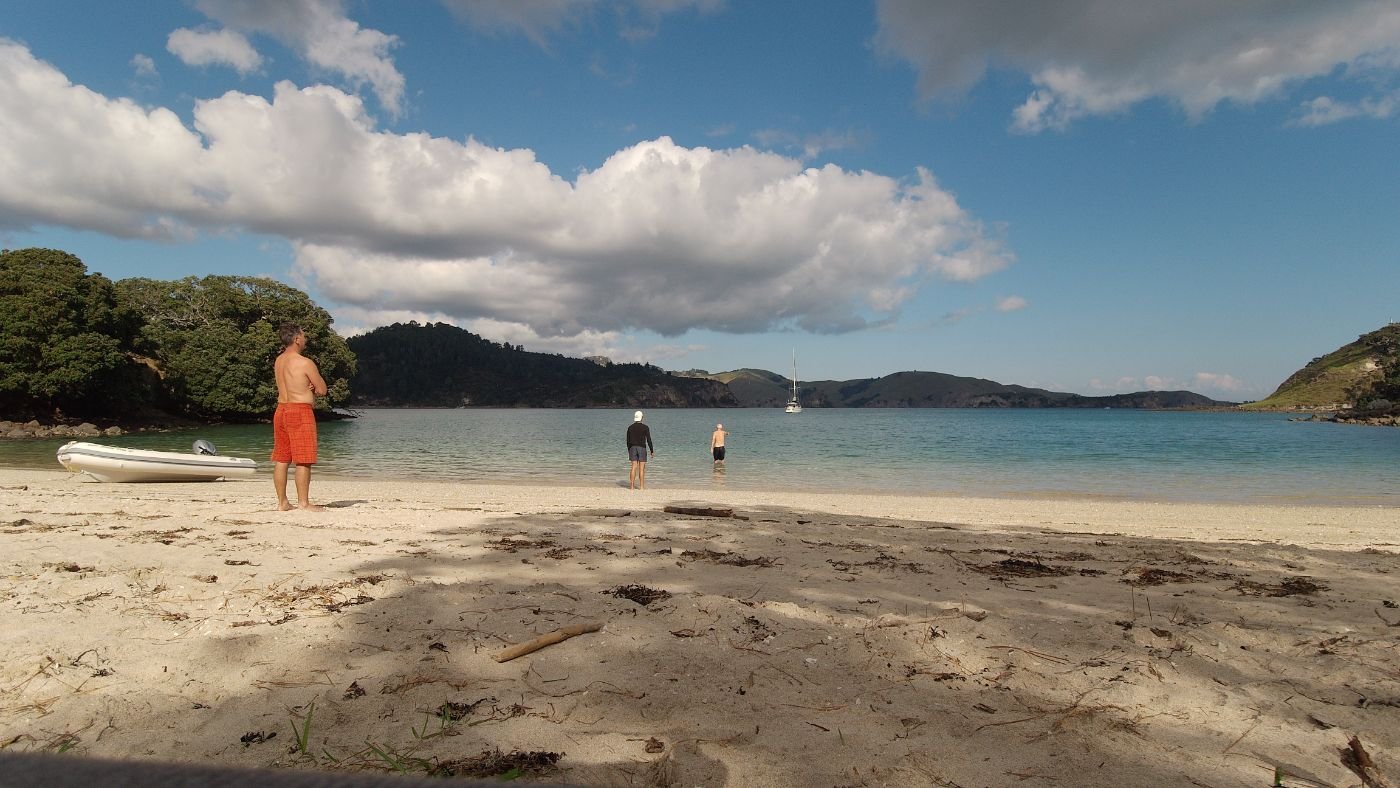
column 1177, row 456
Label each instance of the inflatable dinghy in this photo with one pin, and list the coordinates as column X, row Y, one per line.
column 115, row 464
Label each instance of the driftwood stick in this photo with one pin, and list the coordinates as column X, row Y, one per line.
column 699, row 511
column 548, row 639
column 1356, row 758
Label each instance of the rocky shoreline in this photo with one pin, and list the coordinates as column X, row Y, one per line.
column 14, row 430
column 151, row 421
column 1375, row 421
column 1365, row 419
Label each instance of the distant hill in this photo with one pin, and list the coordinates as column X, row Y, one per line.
column 756, row 388
column 928, row 390
column 1356, row 374
column 439, row 365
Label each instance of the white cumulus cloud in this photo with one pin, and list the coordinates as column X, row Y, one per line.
column 321, row 33
column 213, row 48
column 1201, row 383
column 1213, row 381
column 143, row 65
column 1011, row 303
column 1325, row 110
column 658, row 237
column 1089, row 57
column 615, row 345
column 77, row 158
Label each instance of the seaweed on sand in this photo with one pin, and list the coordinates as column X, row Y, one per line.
column 638, row 593
column 494, row 763
column 1021, row 567
column 1289, row 586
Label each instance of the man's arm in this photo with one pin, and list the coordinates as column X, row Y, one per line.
column 313, row 376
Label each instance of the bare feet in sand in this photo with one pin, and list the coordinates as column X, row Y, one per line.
column 286, row 506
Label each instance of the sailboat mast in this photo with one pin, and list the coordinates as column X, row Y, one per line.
column 794, row 405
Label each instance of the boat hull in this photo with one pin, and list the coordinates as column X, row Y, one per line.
column 116, row 464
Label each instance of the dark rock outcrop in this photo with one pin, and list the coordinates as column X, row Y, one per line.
column 34, row 429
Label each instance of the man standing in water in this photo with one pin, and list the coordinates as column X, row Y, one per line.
column 299, row 382
column 638, row 443
column 717, row 443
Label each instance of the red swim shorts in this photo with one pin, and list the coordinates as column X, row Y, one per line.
column 294, row 433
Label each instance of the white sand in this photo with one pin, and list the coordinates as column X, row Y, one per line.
column 873, row 640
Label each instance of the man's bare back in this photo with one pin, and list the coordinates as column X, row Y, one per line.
column 298, row 379
column 717, row 444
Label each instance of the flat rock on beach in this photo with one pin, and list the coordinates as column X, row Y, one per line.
column 746, row 638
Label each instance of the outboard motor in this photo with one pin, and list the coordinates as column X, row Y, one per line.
column 205, row 447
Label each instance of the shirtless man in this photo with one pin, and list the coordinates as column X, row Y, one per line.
column 299, row 382
column 717, row 443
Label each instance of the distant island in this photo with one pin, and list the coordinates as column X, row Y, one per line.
column 757, row 388
column 440, row 365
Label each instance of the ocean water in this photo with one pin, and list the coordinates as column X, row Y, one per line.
column 1148, row 455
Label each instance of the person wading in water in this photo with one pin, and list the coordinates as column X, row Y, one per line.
column 638, row 444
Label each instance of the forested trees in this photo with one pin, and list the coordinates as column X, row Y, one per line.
column 80, row 344
column 62, row 334
column 439, row 365
column 215, row 339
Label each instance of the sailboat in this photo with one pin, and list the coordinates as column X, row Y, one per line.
column 794, row 404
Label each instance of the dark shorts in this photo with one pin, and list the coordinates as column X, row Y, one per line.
column 719, row 453
column 637, row 453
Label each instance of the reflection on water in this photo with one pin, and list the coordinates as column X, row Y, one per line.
column 718, row 479
column 1222, row 456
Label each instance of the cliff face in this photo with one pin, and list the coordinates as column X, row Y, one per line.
column 1363, row 373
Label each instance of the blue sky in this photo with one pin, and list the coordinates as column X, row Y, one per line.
column 1082, row 196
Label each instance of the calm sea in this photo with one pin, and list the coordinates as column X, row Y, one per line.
column 1174, row 456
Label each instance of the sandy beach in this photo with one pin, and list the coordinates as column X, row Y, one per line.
column 806, row 640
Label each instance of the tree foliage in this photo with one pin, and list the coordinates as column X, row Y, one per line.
column 76, row 342
column 215, row 338
column 62, row 334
